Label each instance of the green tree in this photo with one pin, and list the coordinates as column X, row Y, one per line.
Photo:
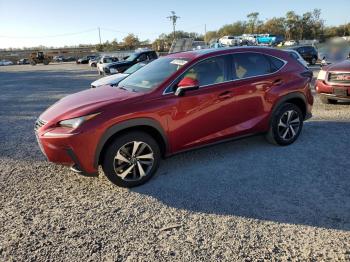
column 131, row 41
column 253, row 21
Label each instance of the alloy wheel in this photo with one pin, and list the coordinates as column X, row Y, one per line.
column 133, row 161
column 288, row 125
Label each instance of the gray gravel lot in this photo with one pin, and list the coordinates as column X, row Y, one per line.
column 245, row 200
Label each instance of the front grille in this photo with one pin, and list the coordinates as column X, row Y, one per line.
column 39, row 123
column 339, row 78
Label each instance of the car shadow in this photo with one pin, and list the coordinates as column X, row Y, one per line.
column 306, row 183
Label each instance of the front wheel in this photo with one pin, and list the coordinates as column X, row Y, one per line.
column 131, row 159
column 286, row 125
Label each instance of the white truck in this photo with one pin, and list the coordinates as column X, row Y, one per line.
column 229, row 40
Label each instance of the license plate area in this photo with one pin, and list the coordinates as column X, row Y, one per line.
column 340, row 92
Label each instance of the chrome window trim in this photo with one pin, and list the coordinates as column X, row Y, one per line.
column 165, row 92
column 334, row 83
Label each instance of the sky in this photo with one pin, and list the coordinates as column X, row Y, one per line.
column 27, row 23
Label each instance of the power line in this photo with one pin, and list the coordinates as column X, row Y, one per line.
column 173, row 18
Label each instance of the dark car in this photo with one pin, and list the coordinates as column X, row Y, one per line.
column 85, row 59
column 309, row 53
column 175, row 103
column 333, row 82
column 69, row 59
column 121, row 66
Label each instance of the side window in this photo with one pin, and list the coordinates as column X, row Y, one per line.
column 142, row 57
column 276, row 63
column 210, row 71
column 151, row 56
column 250, row 65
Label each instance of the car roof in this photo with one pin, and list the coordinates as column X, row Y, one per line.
column 218, row 51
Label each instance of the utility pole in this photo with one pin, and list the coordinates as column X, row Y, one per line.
column 99, row 34
column 173, row 18
column 205, row 33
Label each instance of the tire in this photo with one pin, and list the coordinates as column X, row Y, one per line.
column 327, row 101
column 128, row 168
column 286, row 125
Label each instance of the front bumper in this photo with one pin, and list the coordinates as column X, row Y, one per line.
column 71, row 150
column 335, row 97
column 336, row 92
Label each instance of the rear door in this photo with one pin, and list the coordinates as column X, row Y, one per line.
column 253, row 75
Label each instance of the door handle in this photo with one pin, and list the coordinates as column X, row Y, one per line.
column 277, row 82
column 225, row 95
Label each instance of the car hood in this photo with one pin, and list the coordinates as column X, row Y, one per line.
column 343, row 66
column 88, row 102
column 109, row 80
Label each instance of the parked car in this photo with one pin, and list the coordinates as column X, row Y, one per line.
column 104, row 61
column 5, row 62
column 176, row 103
column 136, row 57
column 85, row 59
column 309, row 53
column 58, row 58
column 69, row 59
column 269, row 39
column 113, row 80
column 93, row 62
column 23, row 61
column 297, row 56
column 333, row 82
column 229, row 40
column 290, row 43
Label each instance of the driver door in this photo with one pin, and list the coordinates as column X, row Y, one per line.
column 203, row 116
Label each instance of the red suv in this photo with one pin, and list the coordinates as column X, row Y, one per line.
column 176, row 103
column 333, row 82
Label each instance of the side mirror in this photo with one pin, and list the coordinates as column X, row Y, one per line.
column 186, row 84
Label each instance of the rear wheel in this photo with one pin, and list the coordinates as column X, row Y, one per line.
column 132, row 159
column 326, row 100
column 286, row 125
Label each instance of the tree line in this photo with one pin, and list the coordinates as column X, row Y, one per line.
column 308, row 25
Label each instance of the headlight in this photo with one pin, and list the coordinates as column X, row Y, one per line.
column 76, row 122
column 322, row 75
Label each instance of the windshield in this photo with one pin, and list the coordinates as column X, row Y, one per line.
column 153, row 74
column 132, row 57
column 134, row 68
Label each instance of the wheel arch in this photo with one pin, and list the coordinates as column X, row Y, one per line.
column 147, row 125
column 294, row 98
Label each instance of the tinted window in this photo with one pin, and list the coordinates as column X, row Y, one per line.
column 152, row 55
column 276, row 63
column 208, row 72
column 294, row 55
column 249, row 65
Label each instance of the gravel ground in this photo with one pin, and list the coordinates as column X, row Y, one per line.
column 245, row 200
